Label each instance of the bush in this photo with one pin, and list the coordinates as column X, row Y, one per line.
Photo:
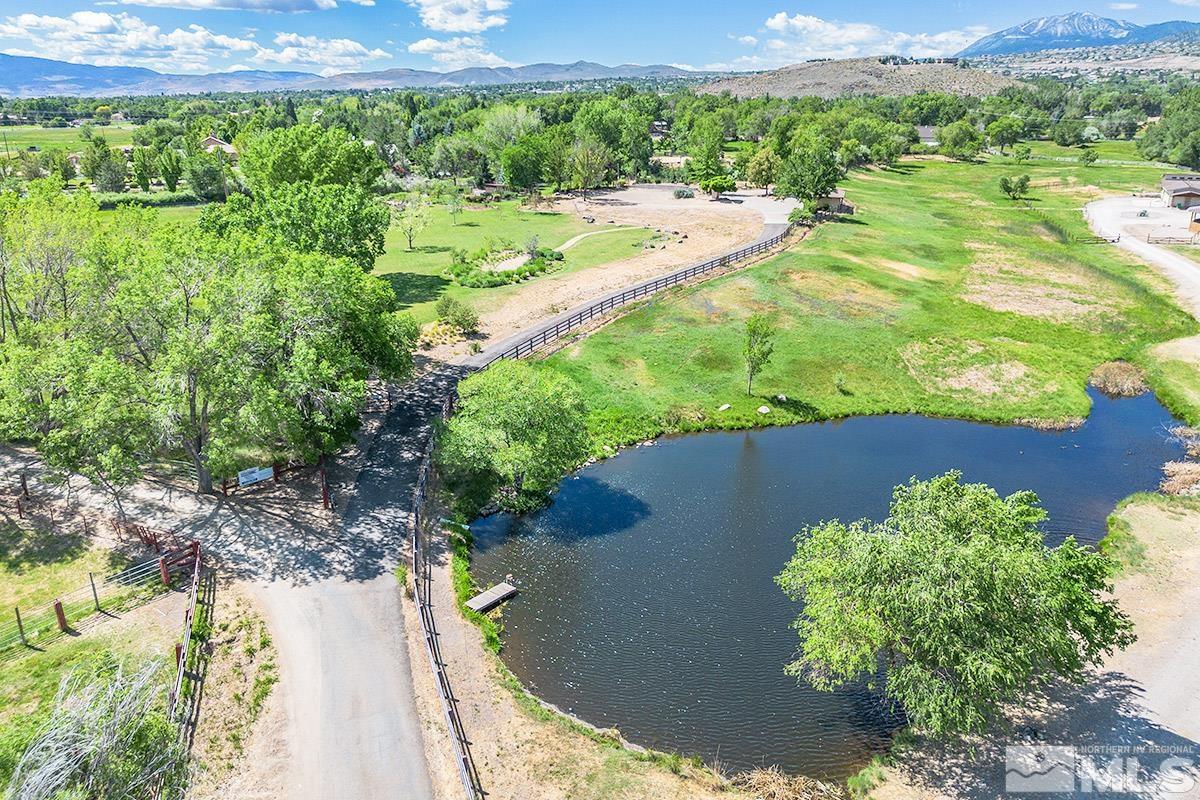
column 458, row 315
column 466, row 269
column 154, row 199
column 684, row 194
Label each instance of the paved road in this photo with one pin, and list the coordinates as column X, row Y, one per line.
column 353, row 730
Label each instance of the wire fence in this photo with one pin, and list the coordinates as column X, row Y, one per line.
column 34, row 626
column 1152, row 239
column 184, row 645
column 580, row 318
column 422, row 571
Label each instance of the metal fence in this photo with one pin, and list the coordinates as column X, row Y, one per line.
column 601, row 307
column 183, row 646
column 1152, row 239
column 34, row 625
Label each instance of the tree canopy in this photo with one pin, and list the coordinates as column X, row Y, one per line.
column 955, row 602
column 123, row 338
column 518, row 428
column 308, row 154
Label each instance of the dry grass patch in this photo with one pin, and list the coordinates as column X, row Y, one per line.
column 773, row 784
column 241, row 674
column 1181, row 478
column 957, row 367
column 858, row 298
column 1119, row 379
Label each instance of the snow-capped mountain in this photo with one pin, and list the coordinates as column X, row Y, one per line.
column 1080, row 29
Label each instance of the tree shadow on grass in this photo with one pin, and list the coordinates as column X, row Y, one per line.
column 412, row 288
column 793, row 406
column 23, row 548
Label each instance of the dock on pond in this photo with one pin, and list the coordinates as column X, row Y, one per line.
column 491, row 598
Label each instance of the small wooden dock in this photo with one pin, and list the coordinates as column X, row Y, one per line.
column 491, row 598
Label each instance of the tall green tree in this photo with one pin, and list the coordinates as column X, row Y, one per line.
column 145, row 167
column 763, row 169
column 170, row 167
column 1005, row 131
column 412, row 218
column 308, row 154
column 955, row 603
column 960, row 140
column 519, row 428
column 758, row 347
column 590, row 161
column 207, row 175
column 810, row 171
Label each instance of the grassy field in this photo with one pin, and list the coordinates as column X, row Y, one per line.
column 21, row 137
column 35, row 568
column 941, row 296
column 417, row 274
column 1114, row 150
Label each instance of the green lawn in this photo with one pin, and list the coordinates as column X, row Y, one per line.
column 418, row 275
column 1115, row 150
column 36, row 567
column 21, row 137
column 940, row 296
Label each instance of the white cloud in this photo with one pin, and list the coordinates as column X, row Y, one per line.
column 458, row 52
column 1186, row 2
column 1122, row 6
column 92, row 37
column 747, row 40
column 800, row 37
column 461, row 16
column 269, row 6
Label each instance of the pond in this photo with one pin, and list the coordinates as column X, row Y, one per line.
column 647, row 594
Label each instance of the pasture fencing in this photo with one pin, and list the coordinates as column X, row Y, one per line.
column 1181, row 240
column 32, row 627
column 560, row 328
column 422, row 574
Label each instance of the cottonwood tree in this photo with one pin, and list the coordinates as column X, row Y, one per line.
column 960, row 140
column 590, row 161
column 518, row 428
column 308, row 154
column 810, row 171
column 954, row 603
column 762, row 169
column 758, row 347
column 343, row 221
column 121, row 338
column 718, row 185
column 1005, row 131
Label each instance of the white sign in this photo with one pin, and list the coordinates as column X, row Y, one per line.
column 249, row 477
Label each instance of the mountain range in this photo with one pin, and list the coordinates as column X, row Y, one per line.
column 1069, row 31
column 23, row 76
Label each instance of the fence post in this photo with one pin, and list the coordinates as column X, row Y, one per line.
column 178, row 654
column 24, row 486
column 326, row 501
column 95, row 596
column 163, row 572
column 20, row 509
column 21, row 627
column 61, row 616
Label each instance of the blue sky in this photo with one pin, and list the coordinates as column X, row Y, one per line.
column 329, row 36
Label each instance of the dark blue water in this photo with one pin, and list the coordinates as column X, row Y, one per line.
column 648, row 601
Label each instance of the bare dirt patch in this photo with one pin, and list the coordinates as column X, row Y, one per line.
column 1040, row 291
column 242, row 672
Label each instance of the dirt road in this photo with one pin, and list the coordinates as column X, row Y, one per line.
column 1119, row 215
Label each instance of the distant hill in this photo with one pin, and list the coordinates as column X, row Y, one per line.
column 832, row 79
column 1071, row 31
column 22, row 76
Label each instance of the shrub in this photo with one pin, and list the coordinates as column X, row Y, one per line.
column 458, row 314
column 684, row 194
column 153, row 199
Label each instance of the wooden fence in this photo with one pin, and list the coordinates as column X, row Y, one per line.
column 601, row 307
column 422, row 574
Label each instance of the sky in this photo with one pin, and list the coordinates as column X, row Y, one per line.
column 331, row 36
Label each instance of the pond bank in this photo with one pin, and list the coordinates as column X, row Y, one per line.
column 677, row 544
